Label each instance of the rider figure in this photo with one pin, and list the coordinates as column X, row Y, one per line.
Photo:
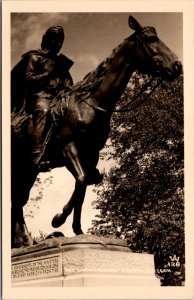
column 45, row 75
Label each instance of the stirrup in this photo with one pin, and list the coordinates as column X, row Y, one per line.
column 43, row 166
column 40, row 166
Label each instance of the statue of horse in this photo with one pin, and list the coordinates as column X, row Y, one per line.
column 81, row 124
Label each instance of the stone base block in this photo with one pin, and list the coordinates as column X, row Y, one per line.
column 82, row 261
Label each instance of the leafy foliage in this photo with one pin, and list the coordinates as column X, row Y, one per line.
column 141, row 199
column 36, row 196
column 41, row 237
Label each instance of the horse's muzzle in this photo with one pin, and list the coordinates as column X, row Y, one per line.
column 173, row 71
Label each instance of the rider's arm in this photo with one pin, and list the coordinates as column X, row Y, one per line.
column 33, row 76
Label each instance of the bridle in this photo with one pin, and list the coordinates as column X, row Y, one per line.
column 153, row 36
column 126, row 107
column 149, row 53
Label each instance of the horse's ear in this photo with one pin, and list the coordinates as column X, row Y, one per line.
column 134, row 24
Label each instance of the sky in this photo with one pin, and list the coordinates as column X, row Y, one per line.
column 89, row 39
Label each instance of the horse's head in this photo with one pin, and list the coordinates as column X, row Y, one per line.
column 150, row 55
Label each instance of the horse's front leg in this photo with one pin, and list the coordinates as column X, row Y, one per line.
column 74, row 166
column 80, row 189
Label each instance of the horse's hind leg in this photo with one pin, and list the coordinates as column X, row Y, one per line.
column 22, row 181
column 20, row 234
column 77, row 198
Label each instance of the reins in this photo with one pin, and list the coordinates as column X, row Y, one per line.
column 138, row 96
column 138, row 103
column 133, row 106
column 96, row 107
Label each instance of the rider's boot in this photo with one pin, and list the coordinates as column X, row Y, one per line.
column 41, row 166
column 40, row 120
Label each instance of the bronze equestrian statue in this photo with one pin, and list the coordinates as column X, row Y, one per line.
column 81, row 124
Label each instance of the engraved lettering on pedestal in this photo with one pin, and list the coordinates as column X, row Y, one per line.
column 36, row 268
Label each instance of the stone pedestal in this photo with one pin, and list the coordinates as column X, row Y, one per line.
column 83, row 260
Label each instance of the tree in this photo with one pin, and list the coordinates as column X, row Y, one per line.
column 141, row 199
column 36, row 195
column 42, row 237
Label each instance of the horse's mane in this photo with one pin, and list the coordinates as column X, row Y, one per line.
column 92, row 80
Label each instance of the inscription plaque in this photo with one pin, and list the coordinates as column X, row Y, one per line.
column 37, row 268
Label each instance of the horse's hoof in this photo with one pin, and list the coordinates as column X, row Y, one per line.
column 55, row 234
column 77, row 230
column 59, row 220
column 28, row 242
